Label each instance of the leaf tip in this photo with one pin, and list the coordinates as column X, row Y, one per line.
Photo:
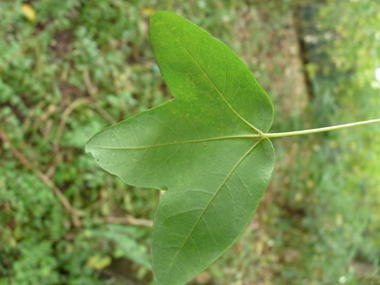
column 159, row 15
column 87, row 147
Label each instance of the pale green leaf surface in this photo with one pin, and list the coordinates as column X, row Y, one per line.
column 199, row 147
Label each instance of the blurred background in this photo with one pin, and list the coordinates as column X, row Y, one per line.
column 70, row 68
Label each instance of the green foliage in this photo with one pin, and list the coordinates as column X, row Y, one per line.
column 83, row 65
column 357, row 43
column 42, row 66
column 191, row 227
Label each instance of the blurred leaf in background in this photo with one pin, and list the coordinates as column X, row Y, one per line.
column 68, row 69
column 28, row 12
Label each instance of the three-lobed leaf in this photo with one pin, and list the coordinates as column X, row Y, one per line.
column 202, row 147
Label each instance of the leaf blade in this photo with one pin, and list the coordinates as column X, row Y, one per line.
column 202, row 147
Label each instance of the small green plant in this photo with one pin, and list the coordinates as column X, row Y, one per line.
column 208, row 149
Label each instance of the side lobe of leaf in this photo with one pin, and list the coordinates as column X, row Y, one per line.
column 193, row 227
column 193, row 63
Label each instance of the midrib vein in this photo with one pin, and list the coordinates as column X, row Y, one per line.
column 212, row 83
column 210, row 201
column 179, row 142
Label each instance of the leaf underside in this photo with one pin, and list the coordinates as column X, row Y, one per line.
column 199, row 147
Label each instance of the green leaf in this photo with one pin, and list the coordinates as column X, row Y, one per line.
column 204, row 148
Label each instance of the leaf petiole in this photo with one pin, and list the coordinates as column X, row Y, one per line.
column 319, row 130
